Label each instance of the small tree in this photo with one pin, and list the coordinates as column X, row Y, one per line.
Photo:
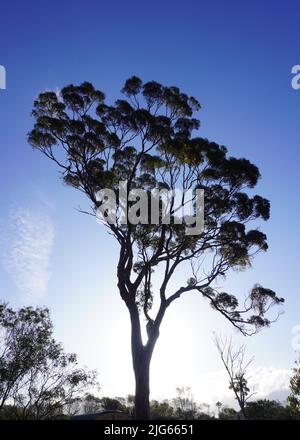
column 161, row 410
column 23, row 336
column 129, row 404
column 111, row 404
column 227, row 413
column 219, row 406
column 146, row 139
column 294, row 397
column 37, row 377
column 72, row 407
column 91, row 404
column 48, row 386
column 184, row 404
column 236, row 367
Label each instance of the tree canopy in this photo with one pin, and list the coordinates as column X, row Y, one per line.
column 146, row 139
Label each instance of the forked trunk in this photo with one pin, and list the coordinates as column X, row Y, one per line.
column 141, row 358
column 141, row 366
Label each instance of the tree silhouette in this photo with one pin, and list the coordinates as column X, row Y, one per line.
column 161, row 410
column 185, row 406
column 145, row 138
column 219, row 407
column 91, row 404
column 36, row 376
column 294, row 397
column 24, row 334
column 227, row 413
column 236, row 367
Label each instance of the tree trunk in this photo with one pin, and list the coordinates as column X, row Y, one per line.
column 141, row 372
column 141, row 366
column 141, row 357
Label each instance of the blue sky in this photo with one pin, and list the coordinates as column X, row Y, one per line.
column 236, row 59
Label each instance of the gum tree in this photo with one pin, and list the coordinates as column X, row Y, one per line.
column 146, row 138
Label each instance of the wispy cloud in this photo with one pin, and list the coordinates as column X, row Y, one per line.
column 27, row 242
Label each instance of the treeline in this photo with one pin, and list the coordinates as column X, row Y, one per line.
column 184, row 407
column 181, row 407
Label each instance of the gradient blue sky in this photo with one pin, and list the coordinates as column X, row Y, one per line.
column 236, row 58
